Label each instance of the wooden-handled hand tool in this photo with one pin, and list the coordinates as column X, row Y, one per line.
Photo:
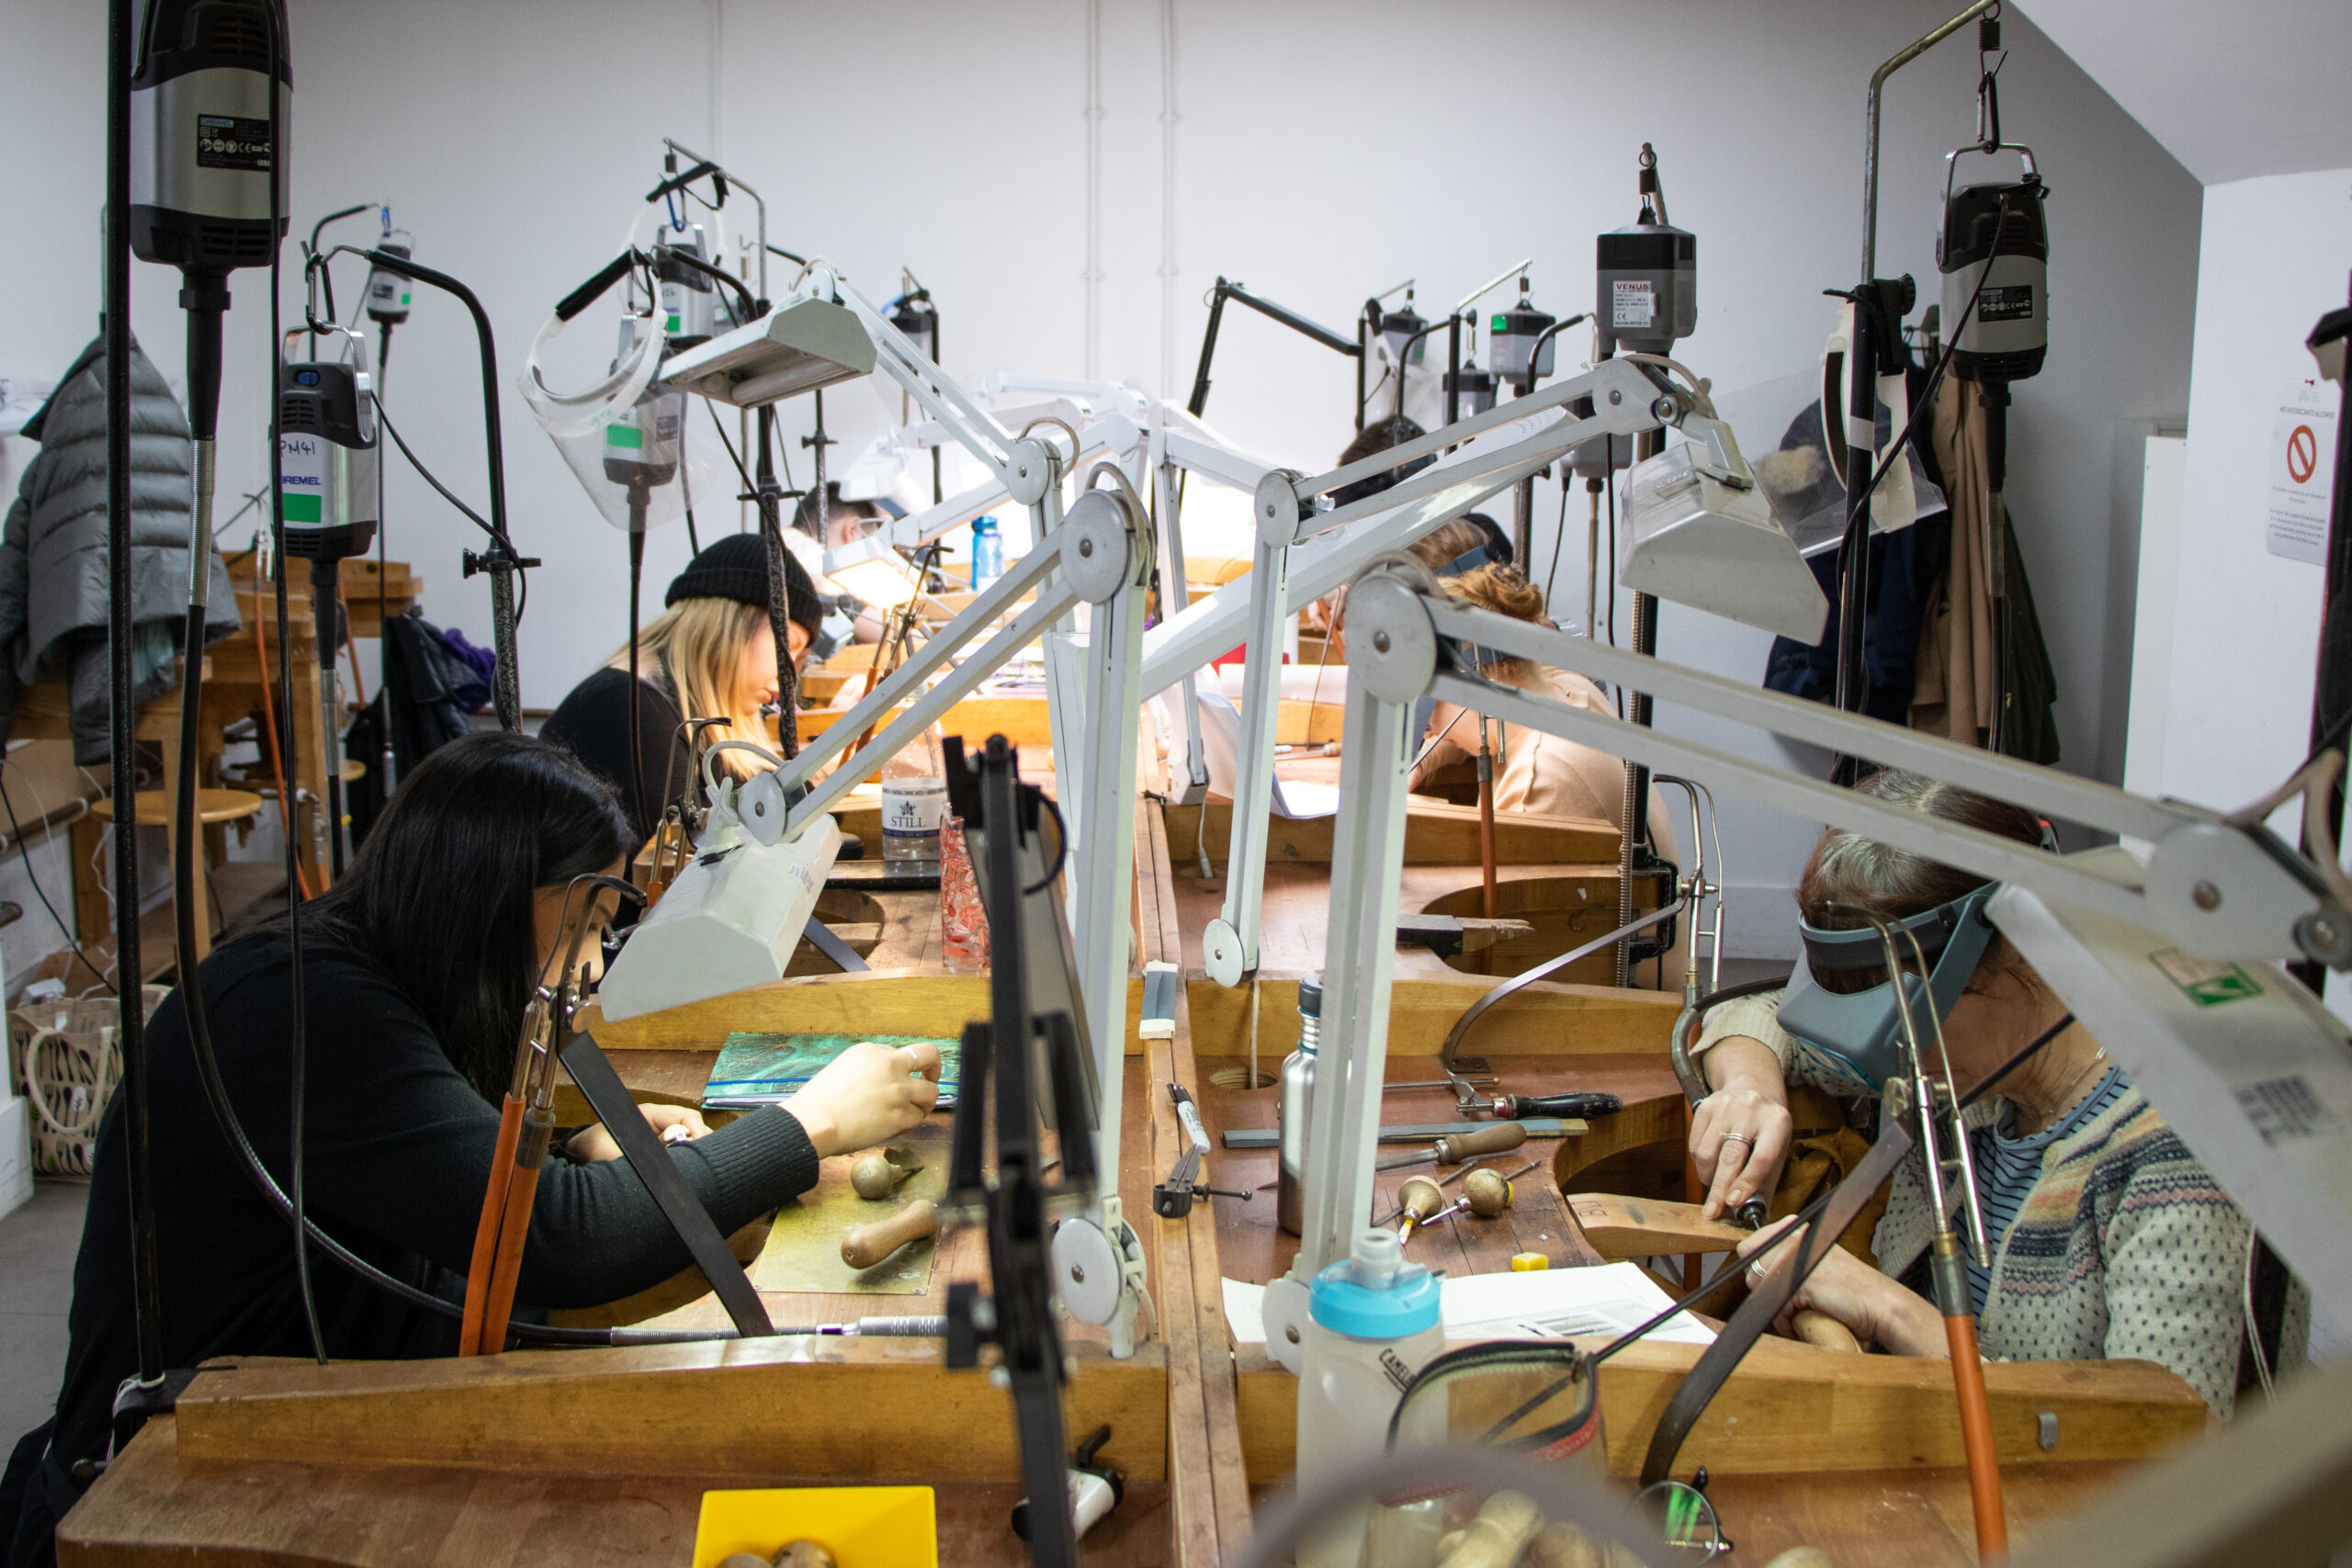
column 1417, row 1201
column 1489, row 1193
column 1456, row 1147
column 1580, row 1105
column 866, row 1246
column 876, row 1176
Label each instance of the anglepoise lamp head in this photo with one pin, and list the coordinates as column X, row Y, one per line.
column 1699, row 533
column 801, row 347
column 870, row 570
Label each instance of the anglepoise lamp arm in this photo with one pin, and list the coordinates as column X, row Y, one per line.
column 1627, row 397
column 1224, row 290
column 2222, row 889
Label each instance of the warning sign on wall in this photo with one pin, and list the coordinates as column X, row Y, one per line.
column 2302, row 471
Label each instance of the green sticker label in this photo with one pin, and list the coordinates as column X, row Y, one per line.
column 1502, row 324
column 2204, row 981
column 302, row 508
column 626, row 436
column 673, row 323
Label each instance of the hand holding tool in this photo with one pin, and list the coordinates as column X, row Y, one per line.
column 866, row 1246
column 1816, row 1328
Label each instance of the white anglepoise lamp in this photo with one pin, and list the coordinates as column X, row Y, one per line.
column 803, row 346
column 869, row 569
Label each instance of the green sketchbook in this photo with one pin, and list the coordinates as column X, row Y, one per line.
column 768, row 1069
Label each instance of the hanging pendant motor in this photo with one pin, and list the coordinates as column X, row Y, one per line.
column 1993, row 241
column 2002, row 224
column 1645, row 277
column 204, row 147
column 328, row 451
column 1517, row 345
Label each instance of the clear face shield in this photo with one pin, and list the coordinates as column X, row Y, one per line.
column 1855, row 1035
column 624, row 435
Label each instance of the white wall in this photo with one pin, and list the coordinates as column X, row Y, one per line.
column 2276, row 251
column 1310, row 161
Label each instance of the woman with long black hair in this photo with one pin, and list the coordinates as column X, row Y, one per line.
column 417, row 969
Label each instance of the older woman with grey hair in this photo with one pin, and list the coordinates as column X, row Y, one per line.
column 2109, row 1239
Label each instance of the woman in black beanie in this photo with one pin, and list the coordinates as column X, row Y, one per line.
column 709, row 654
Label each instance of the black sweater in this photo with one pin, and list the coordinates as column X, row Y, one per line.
column 399, row 1150
column 592, row 723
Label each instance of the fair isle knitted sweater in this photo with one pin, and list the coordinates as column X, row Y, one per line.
column 2125, row 1249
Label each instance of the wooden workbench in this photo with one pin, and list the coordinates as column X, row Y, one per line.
column 599, row 1457
column 1857, row 1455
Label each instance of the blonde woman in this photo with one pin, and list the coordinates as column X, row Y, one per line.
column 709, row 654
column 1534, row 771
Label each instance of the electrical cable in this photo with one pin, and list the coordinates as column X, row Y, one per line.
column 1613, row 574
column 750, row 487
column 1985, row 1085
column 190, row 845
column 269, row 730
column 65, row 930
column 741, row 472
column 1560, row 544
column 1061, row 848
column 472, row 517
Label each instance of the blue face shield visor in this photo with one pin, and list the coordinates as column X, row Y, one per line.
column 1857, row 1035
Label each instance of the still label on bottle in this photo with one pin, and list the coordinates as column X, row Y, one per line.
column 913, row 808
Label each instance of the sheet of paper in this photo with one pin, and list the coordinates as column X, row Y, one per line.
column 2302, row 473
column 1245, row 1311
column 1603, row 1301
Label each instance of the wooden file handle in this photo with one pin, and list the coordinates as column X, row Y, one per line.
column 1823, row 1332
column 866, row 1245
column 1498, row 1139
column 1419, row 1198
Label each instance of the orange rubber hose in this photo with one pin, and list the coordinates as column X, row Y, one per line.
column 1976, row 1437
column 487, row 1231
column 516, row 1227
column 501, row 1307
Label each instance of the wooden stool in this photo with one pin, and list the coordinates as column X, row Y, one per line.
column 156, row 809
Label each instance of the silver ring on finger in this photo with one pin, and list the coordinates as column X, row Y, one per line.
column 1739, row 1138
column 1756, row 1272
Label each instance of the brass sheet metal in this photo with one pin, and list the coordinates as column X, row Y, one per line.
column 804, row 1246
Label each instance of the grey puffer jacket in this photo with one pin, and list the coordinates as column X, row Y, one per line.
column 53, row 551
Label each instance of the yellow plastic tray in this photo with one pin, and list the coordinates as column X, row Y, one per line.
column 863, row 1526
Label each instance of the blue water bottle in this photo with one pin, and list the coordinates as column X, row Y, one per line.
column 987, row 552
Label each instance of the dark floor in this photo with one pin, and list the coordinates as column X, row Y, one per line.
column 37, row 1246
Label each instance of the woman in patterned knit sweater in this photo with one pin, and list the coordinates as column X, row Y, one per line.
column 2109, row 1239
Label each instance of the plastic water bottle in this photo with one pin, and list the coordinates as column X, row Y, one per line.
column 914, row 800
column 1299, row 1086
column 1375, row 1321
column 987, row 552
